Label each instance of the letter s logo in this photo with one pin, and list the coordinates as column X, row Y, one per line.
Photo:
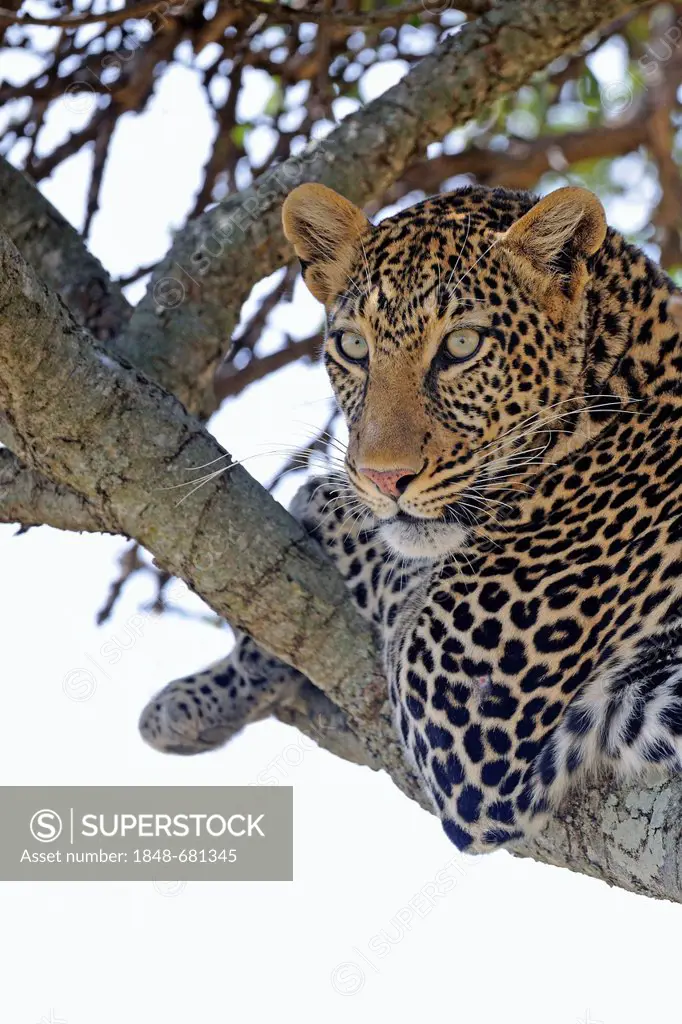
column 46, row 826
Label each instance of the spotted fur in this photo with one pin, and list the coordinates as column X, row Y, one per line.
column 527, row 579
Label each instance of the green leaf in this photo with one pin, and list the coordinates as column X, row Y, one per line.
column 589, row 91
column 637, row 30
column 238, row 134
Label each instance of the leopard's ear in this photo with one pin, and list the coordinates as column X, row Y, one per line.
column 325, row 230
column 550, row 245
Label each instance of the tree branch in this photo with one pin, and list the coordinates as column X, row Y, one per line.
column 523, row 163
column 29, row 498
column 96, row 425
column 282, row 12
column 232, row 382
column 49, row 243
column 76, row 20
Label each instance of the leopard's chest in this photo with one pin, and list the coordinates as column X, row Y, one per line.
column 544, row 609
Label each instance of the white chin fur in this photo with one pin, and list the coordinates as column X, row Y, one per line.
column 424, row 539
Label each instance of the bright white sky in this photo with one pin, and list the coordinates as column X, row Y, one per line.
column 512, row 941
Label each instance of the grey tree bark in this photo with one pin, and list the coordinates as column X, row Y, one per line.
column 99, row 439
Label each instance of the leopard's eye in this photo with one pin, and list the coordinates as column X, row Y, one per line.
column 462, row 344
column 353, row 347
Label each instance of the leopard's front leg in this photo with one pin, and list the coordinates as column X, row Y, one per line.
column 203, row 711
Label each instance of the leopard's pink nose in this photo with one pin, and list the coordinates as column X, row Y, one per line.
column 391, row 482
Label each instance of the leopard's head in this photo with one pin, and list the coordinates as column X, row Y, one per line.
column 452, row 329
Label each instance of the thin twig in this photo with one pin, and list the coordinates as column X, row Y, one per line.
column 77, row 20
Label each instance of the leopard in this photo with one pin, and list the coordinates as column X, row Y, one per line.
column 507, row 511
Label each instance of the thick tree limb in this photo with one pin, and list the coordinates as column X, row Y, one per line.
column 99, row 427
column 29, row 498
column 383, row 16
column 47, row 240
column 54, row 247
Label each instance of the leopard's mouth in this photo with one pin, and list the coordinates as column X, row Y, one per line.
column 420, row 538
